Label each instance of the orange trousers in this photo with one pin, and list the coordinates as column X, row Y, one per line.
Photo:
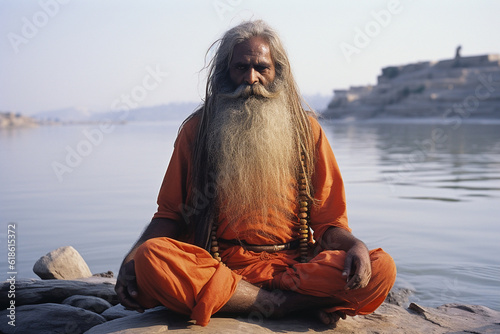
column 186, row 279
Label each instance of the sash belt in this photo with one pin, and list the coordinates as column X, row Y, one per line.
column 263, row 248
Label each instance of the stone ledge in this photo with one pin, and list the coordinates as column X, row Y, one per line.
column 393, row 316
column 387, row 319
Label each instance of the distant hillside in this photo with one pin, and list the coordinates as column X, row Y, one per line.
column 72, row 114
column 176, row 111
column 317, row 102
column 179, row 111
column 166, row 112
column 467, row 87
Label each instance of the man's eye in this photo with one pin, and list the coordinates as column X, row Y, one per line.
column 262, row 68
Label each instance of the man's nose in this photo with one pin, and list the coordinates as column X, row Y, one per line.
column 251, row 77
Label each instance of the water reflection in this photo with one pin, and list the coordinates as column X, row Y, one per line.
column 428, row 194
column 436, row 156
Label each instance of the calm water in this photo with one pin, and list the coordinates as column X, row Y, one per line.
column 428, row 193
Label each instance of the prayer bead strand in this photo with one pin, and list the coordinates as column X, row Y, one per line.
column 303, row 214
column 214, row 245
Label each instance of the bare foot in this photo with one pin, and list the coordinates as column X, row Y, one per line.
column 330, row 318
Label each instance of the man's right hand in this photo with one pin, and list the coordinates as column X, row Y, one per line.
column 126, row 283
column 126, row 287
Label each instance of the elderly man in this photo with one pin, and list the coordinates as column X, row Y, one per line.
column 251, row 214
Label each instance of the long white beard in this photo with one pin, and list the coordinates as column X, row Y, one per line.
column 253, row 148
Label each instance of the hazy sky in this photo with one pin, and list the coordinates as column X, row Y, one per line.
column 100, row 54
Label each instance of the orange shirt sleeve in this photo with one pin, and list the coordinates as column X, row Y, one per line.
column 330, row 208
column 175, row 187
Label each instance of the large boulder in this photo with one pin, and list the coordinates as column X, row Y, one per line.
column 49, row 319
column 62, row 263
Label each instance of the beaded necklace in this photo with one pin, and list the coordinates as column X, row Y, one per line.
column 303, row 213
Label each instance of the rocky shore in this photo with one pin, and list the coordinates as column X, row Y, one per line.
column 464, row 87
column 15, row 120
column 89, row 305
column 10, row 120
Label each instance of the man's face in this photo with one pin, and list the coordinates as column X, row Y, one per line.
column 252, row 63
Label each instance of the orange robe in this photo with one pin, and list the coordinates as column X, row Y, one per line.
column 186, row 279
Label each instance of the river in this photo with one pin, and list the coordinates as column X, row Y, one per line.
column 426, row 192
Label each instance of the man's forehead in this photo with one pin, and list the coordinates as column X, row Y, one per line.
column 255, row 48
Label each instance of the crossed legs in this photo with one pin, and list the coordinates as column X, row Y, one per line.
column 186, row 279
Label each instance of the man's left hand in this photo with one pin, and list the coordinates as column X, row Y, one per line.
column 357, row 267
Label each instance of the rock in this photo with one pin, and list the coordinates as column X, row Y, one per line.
column 398, row 297
column 90, row 303
column 62, row 263
column 152, row 321
column 116, row 312
column 49, row 319
column 458, row 317
column 388, row 318
column 55, row 291
column 108, row 274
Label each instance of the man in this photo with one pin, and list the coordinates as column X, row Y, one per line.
column 251, row 175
